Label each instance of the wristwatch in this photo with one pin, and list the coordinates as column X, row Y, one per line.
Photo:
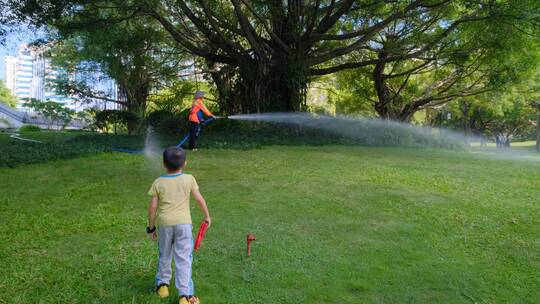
column 148, row 230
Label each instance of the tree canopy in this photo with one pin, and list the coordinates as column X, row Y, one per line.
column 270, row 50
column 134, row 53
column 389, row 59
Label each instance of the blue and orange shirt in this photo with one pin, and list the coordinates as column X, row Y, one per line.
column 195, row 114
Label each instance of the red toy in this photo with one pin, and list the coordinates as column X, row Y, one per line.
column 250, row 238
column 200, row 235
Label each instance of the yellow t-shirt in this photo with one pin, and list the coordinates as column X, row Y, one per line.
column 173, row 192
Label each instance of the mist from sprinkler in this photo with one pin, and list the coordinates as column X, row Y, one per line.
column 378, row 129
column 373, row 131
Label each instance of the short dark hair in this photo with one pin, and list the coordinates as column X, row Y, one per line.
column 174, row 158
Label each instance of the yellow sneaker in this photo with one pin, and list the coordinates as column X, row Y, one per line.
column 163, row 291
column 183, row 300
column 191, row 300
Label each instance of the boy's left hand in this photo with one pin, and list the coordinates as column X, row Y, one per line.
column 208, row 221
column 154, row 235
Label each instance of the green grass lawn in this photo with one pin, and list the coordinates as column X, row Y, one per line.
column 528, row 144
column 333, row 225
column 44, row 136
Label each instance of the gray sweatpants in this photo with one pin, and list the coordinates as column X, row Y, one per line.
column 176, row 241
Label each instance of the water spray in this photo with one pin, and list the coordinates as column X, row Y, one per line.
column 366, row 131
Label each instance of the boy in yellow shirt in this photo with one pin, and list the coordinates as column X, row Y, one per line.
column 169, row 209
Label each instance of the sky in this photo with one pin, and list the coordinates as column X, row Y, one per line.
column 19, row 36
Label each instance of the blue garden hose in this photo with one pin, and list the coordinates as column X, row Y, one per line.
column 204, row 124
column 127, row 151
column 180, row 144
column 183, row 141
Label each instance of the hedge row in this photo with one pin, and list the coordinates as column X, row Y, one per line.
column 222, row 134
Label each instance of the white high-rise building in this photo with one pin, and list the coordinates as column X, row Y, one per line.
column 31, row 75
column 11, row 64
column 26, row 75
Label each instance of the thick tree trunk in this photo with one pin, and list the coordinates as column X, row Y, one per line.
column 538, row 133
column 137, row 97
column 387, row 109
column 388, row 106
column 271, row 87
column 229, row 95
column 465, row 108
column 136, row 103
column 261, row 87
column 383, row 93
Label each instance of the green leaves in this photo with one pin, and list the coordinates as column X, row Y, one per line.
column 262, row 54
column 54, row 111
column 135, row 52
column 6, row 97
column 29, row 128
column 116, row 119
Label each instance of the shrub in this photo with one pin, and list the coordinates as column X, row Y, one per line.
column 117, row 120
column 225, row 134
column 18, row 153
column 15, row 153
column 166, row 122
column 55, row 112
column 29, row 128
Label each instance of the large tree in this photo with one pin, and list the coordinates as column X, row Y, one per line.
column 132, row 52
column 275, row 46
column 536, row 106
column 270, row 48
column 438, row 59
column 262, row 54
column 510, row 114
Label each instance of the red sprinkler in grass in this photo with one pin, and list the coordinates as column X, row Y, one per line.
column 250, row 238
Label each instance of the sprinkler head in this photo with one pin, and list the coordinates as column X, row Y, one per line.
column 250, row 238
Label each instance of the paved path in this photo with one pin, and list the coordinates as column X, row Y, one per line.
column 17, row 136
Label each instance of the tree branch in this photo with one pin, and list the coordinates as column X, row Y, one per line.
column 369, row 32
column 248, row 30
column 182, row 39
column 267, row 29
